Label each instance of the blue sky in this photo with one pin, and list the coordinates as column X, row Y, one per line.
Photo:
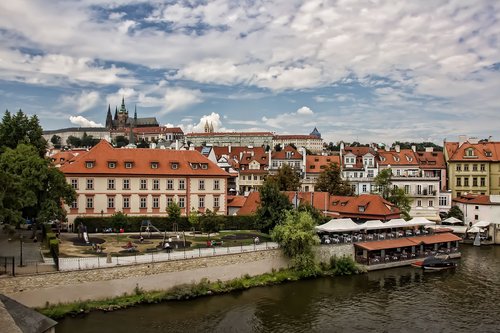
column 373, row 71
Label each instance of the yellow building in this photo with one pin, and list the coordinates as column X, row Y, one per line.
column 473, row 166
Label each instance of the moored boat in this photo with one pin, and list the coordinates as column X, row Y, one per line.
column 435, row 264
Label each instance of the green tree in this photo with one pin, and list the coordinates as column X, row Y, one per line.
column 209, row 222
column 296, row 236
column 383, row 182
column 315, row 213
column 456, row 212
column 19, row 128
column 399, row 198
column 73, row 141
column 40, row 188
column 174, row 212
column 88, row 140
column 272, row 207
column 330, row 180
column 56, row 141
column 286, row 178
column 194, row 219
column 119, row 220
column 121, row 141
column 277, row 147
column 142, row 144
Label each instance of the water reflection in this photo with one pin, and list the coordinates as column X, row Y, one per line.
column 395, row 300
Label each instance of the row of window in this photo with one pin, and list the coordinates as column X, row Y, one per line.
column 369, row 174
column 482, row 167
column 249, row 177
column 464, row 181
column 420, row 190
column 430, row 203
column 143, row 202
column 144, row 184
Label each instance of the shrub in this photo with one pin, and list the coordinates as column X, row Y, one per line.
column 343, row 265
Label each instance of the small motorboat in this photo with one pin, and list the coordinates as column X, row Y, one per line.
column 435, row 264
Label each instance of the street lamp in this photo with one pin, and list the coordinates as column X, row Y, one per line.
column 21, row 250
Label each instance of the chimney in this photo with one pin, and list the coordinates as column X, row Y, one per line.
column 191, row 147
column 461, row 140
column 229, row 149
column 177, row 144
column 474, row 140
column 414, row 148
column 397, row 148
column 269, row 153
column 429, row 149
column 304, row 159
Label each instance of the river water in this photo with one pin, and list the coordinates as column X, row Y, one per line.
column 395, row 300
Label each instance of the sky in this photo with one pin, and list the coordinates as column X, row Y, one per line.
column 368, row 71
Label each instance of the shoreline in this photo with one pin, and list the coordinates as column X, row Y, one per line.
column 342, row 266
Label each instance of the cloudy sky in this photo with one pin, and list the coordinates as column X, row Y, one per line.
column 358, row 70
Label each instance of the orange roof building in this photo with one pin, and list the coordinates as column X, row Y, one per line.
column 143, row 182
column 473, row 166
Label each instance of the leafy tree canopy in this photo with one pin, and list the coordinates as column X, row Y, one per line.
column 330, row 181
column 174, row 211
column 399, row 198
column 383, row 181
column 19, row 128
column 273, row 205
column 286, row 178
column 456, row 212
column 296, row 236
column 420, row 146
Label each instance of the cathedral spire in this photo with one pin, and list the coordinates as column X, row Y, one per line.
column 123, row 109
column 135, row 115
column 109, row 118
column 116, row 113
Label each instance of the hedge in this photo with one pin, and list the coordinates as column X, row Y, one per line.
column 133, row 223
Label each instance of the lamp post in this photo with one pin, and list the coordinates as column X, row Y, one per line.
column 21, row 251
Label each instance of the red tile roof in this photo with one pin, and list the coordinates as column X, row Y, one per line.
column 405, row 157
column 475, row 199
column 300, row 137
column 231, row 134
column 103, row 153
column 236, row 201
column 483, row 151
column 431, row 160
column 281, row 155
column 436, row 238
column 373, row 206
column 316, row 163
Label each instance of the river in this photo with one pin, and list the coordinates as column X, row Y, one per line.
column 394, row 300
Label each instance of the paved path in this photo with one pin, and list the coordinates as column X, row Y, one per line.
column 31, row 250
column 162, row 281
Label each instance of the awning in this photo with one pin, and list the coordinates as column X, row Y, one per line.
column 373, row 225
column 482, row 224
column 436, row 238
column 474, row 230
column 452, row 220
column 418, row 221
column 386, row 244
column 339, row 225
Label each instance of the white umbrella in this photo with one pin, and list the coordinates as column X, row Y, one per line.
column 452, row 220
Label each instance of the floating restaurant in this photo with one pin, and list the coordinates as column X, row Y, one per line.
column 380, row 245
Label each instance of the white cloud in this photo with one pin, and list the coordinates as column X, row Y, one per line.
column 213, row 119
column 82, row 102
column 83, row 122
column 179, row 98
column 305, row 111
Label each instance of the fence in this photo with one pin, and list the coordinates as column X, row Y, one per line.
column 9, row 266
column 73, row 264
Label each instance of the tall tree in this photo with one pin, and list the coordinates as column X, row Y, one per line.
column 121, row 141
column 286, row 178
column 174, row 212
column 56, row 141
column 74, row 141
column 383, row 182
column 19, row 128
column 296, row 236
column 40, row 188
column 456, row 212
column 330, row 180
column 273, row 205
column 399, row 198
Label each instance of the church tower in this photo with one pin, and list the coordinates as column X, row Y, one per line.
column 122, row 115
column 109, row 118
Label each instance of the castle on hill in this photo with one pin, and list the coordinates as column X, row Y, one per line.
column 122, row 121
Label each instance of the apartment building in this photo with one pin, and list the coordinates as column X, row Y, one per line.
column 143, row 182
column 473, row 166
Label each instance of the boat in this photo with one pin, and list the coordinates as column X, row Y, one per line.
column 435, row 264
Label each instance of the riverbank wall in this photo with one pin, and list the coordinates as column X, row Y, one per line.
column 95, row 284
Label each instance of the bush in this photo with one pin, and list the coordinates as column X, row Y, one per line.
column 54, row 248
column 133, row 223
column 343, row 265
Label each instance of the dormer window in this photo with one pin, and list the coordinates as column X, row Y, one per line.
column 469, row 152
column 361, row 208
column 154, row 165
column 89, row 164
column 129, row 165
column 204, row 166
column 112, row 165
column 174, row 165
column 194, row 166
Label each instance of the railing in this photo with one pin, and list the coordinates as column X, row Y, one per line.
column 9, row 266
column 83, row 263
column 342, row 239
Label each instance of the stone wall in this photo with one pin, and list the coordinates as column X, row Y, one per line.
column 65, row 287
column 323, row 253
